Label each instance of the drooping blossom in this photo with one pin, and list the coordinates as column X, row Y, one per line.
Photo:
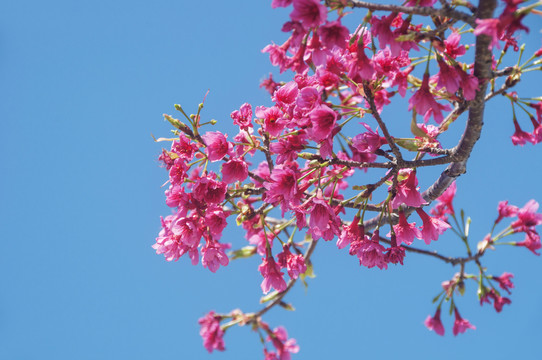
column 323, row 223
column 461, row 325
column 213, row 256
column 434, row 323
column 272, row 276
column 333, row 34
column 407, row 192
column 405, row 232
column 489, row 27
column 311, row 13
column 432, row 227
column 498, row 301
column 444, row 204
column 369, row 252
column 504, row 281
column 211, row 332
column 284, row 346
column 469, row 84
column 423, row 101
column 532, row 241
column 395, row 254
column 351, row 232
column 295, row 264
column 447, row 77
column 215, row 220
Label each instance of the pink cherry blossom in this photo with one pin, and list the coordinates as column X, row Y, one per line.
column 284, row 346
column 280, row 3
column 447, row 77
column 531, row 242
column 213, row 256
column 310, row 13
column 184, row 148
column 349, row 233
column 432, row 227
column 188, row 229
column 504, row 281
column 333, row 34
column 498, row 301
column 404, row 231
column 234, row 170
column 323, row 121
column 210, row 190
column 506, row 210
column 423, row 101
column 169, row 244
column 527, row 217
column 286, row 94
column 369, row 252
column 461, row 325
column 243, row 116
column 434, row 323
column 295, row 264
column 217, row 145
column 394, row 255
column 489, row 27
column 272, row 276
column 453, row 46
column 407, row 192
column 211, row 332
column 323, row 222
column 215, row 220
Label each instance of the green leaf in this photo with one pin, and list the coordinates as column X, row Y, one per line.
column 416, row 131
column 269, row 297
column 286, row 306
column 409, row 144
column 308, row 273
column 244, row 252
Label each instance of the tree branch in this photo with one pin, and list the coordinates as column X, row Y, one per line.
column 416, row 10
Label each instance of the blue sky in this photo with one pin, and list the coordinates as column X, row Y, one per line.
column 84, row 85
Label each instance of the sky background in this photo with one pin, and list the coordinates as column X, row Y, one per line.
column 84, row 84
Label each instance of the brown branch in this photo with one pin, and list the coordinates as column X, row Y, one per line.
column 371, row 101
column 447, row 259
column 416, row 10
column 473, row 129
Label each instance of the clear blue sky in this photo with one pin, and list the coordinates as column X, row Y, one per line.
column 83, row 86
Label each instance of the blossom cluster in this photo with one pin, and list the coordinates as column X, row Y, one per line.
column 300, row 166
